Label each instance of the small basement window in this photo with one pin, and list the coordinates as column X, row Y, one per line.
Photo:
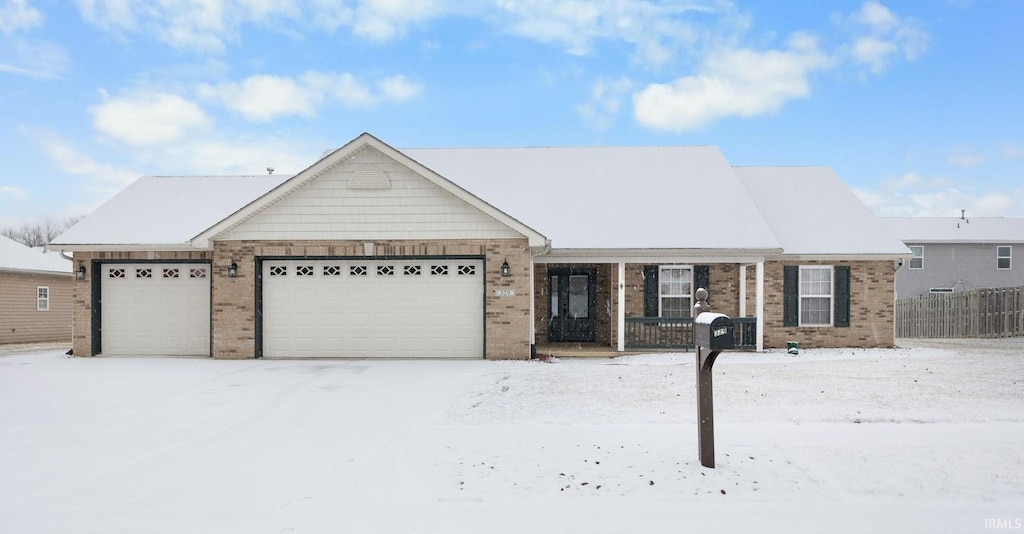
column 1004, row 257
column 42, row 298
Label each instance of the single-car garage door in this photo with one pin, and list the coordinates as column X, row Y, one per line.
column 409, row 308
column 155, row 309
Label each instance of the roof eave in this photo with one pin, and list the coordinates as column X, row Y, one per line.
column 126, row 247
column 656, row 255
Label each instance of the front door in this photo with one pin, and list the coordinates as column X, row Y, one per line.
column 571, row 302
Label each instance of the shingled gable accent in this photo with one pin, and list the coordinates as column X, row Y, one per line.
column 225, row 227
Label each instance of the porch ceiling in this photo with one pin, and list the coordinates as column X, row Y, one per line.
column 612, row 255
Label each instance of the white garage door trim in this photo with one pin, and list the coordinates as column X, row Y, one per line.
column 422, row 307
column 155, row 308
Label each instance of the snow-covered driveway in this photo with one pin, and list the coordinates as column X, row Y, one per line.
column 927, row 439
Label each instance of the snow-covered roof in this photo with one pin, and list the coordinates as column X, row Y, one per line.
column 166, row 210
column 15, row 256
column 582, row 199
column 610, row 197
column 957, row 229
column 813, row 212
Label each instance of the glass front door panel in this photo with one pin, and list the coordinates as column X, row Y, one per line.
column 579, row 296
column 553, row 292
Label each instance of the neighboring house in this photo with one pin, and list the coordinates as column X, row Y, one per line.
column 958, row 253
column 35, row 294
column 379, row 252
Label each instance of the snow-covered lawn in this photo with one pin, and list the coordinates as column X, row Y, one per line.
column 921, row 439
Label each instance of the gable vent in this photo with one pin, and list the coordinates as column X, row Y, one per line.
column 369, row 177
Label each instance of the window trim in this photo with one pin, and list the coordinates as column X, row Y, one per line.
column 1008, row 257
column 917, row 256
column 831, row 297
column 661, row 271
column 42, row 303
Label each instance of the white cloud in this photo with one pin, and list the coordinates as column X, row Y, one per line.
column 657, row 30
column 17, row 16
column 15, row 192
column 911, row 195
column 32, row 58
column 883, row 36
column 147, row 118
column 385, row 20
column 966, row 157
column 605, row 101
column 203, row 26
column 1011, row 151
column 399, row 88
column 70, row 160
column 732, row 83
column 263, row 98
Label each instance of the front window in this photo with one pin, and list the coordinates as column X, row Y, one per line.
column 1004, row 257
column 917, row 262
column 43, row 298
column 675, row 291
column 815, row 296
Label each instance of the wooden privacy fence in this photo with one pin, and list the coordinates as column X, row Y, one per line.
column 978, row 313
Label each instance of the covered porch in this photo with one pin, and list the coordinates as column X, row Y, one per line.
column 603, row 303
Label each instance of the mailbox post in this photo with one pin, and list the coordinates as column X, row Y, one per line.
column 712, row 333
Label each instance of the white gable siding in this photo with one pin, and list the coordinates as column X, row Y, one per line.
column 326, row 208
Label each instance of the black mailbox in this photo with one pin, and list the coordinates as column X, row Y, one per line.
column 713, row 331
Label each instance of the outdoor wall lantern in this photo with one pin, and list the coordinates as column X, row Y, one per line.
column 232, row 269
column 80, row 272
column 505, row 269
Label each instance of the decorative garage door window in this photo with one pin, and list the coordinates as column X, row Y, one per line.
column 438, row 270
column 467, row 270
column 279, row 270
column 170, row 273
column 197, row 273
column 385, row 270
column 412, row 270
column 116, row 273
column 357, row 270
column 304, row 270
column 143, row 273
column 332, row 270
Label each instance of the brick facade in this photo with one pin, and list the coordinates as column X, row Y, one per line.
column 872, row 308
column 507, row 317
column 871, row 304
column 233, row 313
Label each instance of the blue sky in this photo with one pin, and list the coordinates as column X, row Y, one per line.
column 918, row 106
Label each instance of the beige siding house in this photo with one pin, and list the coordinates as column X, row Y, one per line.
column 374, row 252
column 35, row 295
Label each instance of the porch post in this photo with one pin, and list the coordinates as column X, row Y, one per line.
column 760, row 306
column 743, row 290
column 620, row 309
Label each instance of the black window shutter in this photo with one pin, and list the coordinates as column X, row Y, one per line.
column 790, row 295
column 650, row 290
column 702, row 278
column 842, row 296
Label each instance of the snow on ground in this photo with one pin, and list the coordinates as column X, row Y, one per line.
column 926, row 438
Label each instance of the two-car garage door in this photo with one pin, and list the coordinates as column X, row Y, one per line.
column 406, row 308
